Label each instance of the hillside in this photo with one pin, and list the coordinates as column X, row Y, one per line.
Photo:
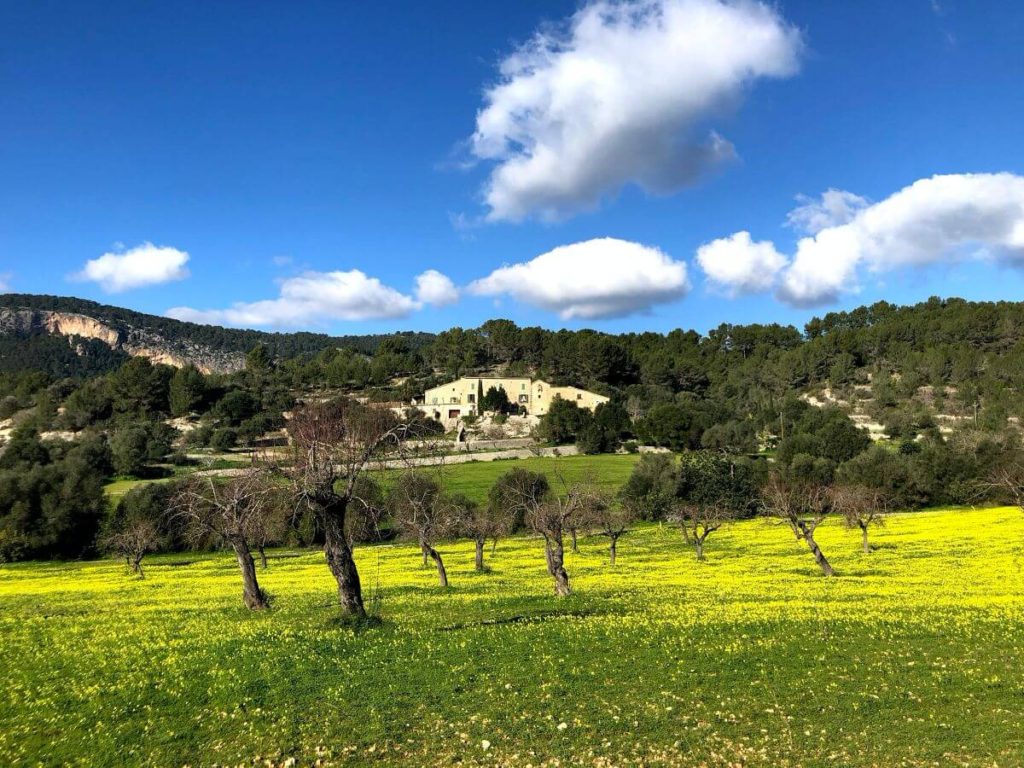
column 68, row 336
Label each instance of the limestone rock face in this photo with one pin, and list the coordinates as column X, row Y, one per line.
column 133, row 341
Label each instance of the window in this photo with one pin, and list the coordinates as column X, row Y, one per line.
column 524, row 398
column 522, row 386
column 579, row 397
column 433, row 401
column 455, row 401
column 470, row 398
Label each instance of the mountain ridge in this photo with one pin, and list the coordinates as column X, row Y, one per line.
column 101, row 336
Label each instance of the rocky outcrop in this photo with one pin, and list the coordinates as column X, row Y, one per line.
column 133, row 341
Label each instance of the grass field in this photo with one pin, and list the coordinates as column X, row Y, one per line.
column 911, row 657
column 475, row 478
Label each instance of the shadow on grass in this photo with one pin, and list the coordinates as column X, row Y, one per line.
column 355, row 624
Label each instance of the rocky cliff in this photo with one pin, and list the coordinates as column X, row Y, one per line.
column 137, row 342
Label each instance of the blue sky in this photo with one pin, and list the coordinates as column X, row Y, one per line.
column 283, row 146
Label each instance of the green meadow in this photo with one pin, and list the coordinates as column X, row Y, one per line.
column 910, row 657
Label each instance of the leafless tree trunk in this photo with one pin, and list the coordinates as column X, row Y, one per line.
column 613, row 545
column 252, row 595
column 819, row 556
column 263, row 556
column 442, row 574
column 136, row 564
column 864, row 538
column 480, row 554
column 343, row 567
column 575, row 543
column 494, row 545
column 555, row 554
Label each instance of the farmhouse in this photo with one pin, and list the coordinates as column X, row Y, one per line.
column 461, row 397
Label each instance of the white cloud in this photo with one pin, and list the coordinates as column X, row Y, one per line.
column 835, row 207
column 737, row 265
column 592, row 279
column 942, row 219
column 143, row 265
column 622, row 93
column 935, row 220
column 311, row 299
column 433, row 287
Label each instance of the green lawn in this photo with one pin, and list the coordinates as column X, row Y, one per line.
column 474, row 479
column 910, row 657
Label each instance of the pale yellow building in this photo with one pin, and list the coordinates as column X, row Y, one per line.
column 459, row 398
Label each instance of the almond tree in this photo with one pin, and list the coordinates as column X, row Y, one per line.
column 422, row 514
column 711, row 491
column 480, row 522
column 610, row 518
column 698, row 520
column 550, row 515
column 861, row 507
column 333, row 444
column 133, row 540
column 802, row 505
column 227, row 509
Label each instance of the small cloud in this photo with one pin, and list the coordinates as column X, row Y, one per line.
column 137, row 267
column 436, row 289
column 311, row 299
column 594, row 279
column 283, row 261
column 834, row 207
column 737, row 265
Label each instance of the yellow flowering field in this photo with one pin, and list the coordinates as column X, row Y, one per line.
column 911, row 657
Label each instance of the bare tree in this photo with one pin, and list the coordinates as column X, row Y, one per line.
column 698, row 520
column 133, row 540
column 861, row 507
column 481, row 522
column 227, row 509
column 802, row 505
column 333, row 444
column 1006, row 481
column 269, row 525
column 611, row 518
column 421, row 513
column 550, row 515
column 367, row 513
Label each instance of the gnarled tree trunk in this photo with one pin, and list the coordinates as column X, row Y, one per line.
column 698, row 545
column 819, row 556
column 442, row 574
column 555, row 552
column 263, row 556
column 136, row 564
column 425, row 551
column 343, row 566
column 864, row 538
column 479, row 554
column 252, row 595
column 575, row 544
column 613, row 544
